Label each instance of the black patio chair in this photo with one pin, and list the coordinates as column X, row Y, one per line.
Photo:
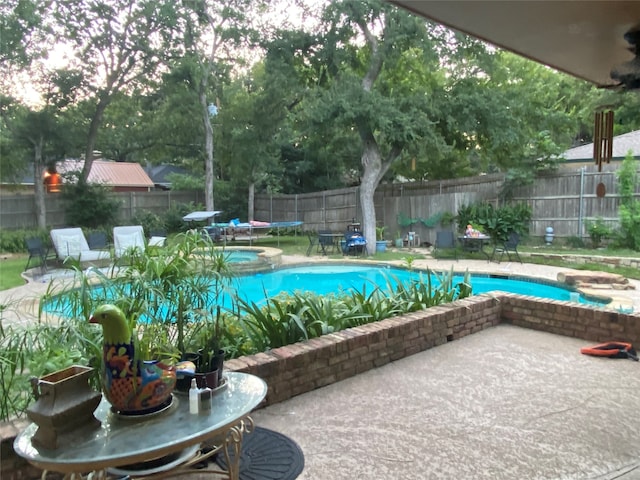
column 313, row 242
column 509, row 246
column 445, row 240
column 326, row 243
column 97, row 241
column 38, row 250
column 158, row 237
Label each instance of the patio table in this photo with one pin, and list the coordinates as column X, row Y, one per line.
column 128, row 445
column 475, row 243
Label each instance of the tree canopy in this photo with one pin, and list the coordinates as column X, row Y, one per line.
column 349, row 92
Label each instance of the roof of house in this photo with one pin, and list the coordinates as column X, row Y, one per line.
column 159, row 173
column 116, row 174
column 621, row 145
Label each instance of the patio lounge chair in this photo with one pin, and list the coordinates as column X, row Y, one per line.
column 71, row 243
column 127, row 239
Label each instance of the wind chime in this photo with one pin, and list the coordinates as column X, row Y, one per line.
column 603, row 138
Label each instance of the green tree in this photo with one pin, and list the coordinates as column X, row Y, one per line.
column 23, row 30
column 629, row 209
column 248, row 129
column 386, row 118
column 212, row 36
column 45, row 133
column 121, row 42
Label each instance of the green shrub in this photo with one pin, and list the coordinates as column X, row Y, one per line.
column 629, row 210
column 13, row 241
column 88, row 205
column 598, row 231
column 575, row 242
column 496, row 222
column 149, row 221
column 173, row 217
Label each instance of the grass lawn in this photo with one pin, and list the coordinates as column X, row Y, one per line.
column 11, row 266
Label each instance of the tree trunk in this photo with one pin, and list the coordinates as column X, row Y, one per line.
column 251, row 201
column 208, row 142
column 372, row 164
column 96, row 121
column 38, row 177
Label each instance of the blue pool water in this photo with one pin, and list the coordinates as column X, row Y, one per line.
column 238, row 256
column 325, row 279
column 335, row 279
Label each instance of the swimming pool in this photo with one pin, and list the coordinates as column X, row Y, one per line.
column 241, row 256
column 337, row 278
column 326, row 279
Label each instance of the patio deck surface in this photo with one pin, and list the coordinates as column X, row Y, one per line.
column 505, row 403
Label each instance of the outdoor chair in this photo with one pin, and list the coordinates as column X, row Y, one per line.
column 313, row 242
column 210, row 232
column 445, row 240
column 354, row 243
column 71, row 243
column 38, row 250
column 509, row 246
column 157, row 238
column 326, row 241
column 127, row 239
column 97, row 241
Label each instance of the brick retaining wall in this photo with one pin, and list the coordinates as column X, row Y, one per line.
column 305, row 366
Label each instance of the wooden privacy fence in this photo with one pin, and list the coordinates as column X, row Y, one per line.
column 566, row 201
column 18, row 211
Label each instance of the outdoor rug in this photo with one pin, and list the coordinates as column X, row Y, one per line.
column 268, row 455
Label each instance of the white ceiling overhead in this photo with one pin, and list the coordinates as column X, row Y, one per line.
column 582, row 38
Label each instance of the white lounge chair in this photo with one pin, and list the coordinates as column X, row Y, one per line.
column 71, row 243
column 127, row 238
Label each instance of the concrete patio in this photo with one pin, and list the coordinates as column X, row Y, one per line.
column 505, row 403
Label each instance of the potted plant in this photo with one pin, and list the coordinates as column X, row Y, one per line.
column 169, row 297
column 211, row 355
column 381, row 243
column 399, row 243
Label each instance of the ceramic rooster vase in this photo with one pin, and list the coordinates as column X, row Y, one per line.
column 132, row 386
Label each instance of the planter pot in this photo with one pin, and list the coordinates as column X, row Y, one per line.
column 210, row 376
column 399, row 243
column 381, row 246
column 65, row 403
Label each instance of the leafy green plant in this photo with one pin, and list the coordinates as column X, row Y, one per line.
column 629, row 210
column 172, row 219
column 575, row 242
column 149, row 221
column 35, row 350
column 167, row 295
column 497, row 222
column 447, row 219
column 598, row 231
column 88, row 205
column 380, row 233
